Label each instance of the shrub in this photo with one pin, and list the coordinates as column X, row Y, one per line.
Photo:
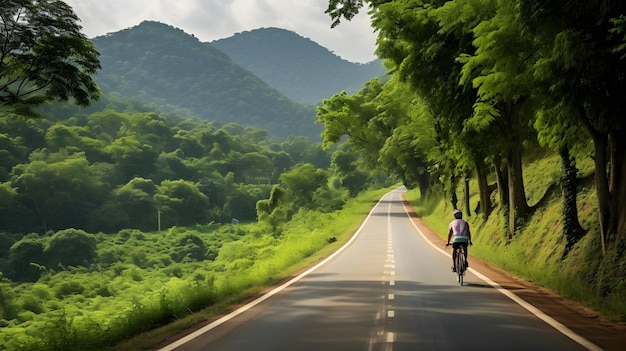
column 22, row 255
column 71, row 247
column 33, row 304
column 134, row 273
column 8, row 309
column 104, row 290
column 67, row 288
column 191, row 247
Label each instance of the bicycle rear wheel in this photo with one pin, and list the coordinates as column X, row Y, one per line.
column 460, row 266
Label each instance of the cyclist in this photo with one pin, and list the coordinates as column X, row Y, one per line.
column 459, row 232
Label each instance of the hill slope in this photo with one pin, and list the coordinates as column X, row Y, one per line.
column 164, row 65
column 296, row 66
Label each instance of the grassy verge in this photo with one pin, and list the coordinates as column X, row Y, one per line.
column 304, row 242
column 535, row 253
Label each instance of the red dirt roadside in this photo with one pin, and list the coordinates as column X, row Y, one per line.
column 608, row 335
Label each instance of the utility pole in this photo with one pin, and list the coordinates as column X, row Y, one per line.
column 159, row 219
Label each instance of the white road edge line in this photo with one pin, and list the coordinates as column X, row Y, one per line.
column 273, row 292
column 530, row 308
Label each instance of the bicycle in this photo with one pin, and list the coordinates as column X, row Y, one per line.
column 461, row 264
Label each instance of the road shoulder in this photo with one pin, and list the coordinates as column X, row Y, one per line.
column 590, row 325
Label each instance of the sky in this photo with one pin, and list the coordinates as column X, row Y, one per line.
column 210, row 20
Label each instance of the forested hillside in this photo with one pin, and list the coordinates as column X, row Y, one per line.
column 164, row 65
column 296, row 66
column 112, row 170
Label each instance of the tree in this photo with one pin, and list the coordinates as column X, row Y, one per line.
column 241, row 201
column 302, row 182
column 15, row 216
column 435, row 45
column 76, row 138
column 422, row 42
column 504, row 79
column 273, row 211
column 70, row 247
column 355, row 116
column 583, row 68
column 130, row 206
column 26, row 258
column 44, row 56
column 344, row 166
column 182, row 203
column 61, row 188
column 132, row 158
column 12, row 152
column 302, row 150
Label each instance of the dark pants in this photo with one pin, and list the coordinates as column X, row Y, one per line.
column 454, row 247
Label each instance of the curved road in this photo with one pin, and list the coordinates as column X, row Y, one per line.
column 387, row 289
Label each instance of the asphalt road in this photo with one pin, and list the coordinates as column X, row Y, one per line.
column 387, row 289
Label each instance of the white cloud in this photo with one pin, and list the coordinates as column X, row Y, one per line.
column 214, row 19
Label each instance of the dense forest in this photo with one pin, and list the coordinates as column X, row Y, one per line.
column 298, row 67
column 158, row 63
column 269, row 78
column 105, row 171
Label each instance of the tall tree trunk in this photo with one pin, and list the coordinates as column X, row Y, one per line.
column 454, row 200
column 466, row 196
column 518, row 206
column 572, row 230
column 423, row 179
column 483, row 190
column 602, row 186
column 617, row 188
column 503, row 186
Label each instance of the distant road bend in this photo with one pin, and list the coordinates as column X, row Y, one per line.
column 387, row 289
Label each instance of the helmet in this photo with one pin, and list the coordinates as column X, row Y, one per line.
column 457, row 214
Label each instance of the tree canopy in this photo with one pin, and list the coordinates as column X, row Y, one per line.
column 497, row 77
column 44, row 56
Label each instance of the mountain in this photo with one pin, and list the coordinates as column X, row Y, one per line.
column 296, row 66
column 163, row 65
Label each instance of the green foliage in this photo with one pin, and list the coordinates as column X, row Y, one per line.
column 12, row 151
column 44, row 56
column 387, row 126
column 135, row 284
column 296, row 66
column 190, row 247
column 181, row 203
column 167, row 67
column 25, row 259
column 302, row 182
column 70, row 247
column 131, row 205
column 8, row 309
column 60, row 187
column 67, row 288
column 241, row 203
column 110, row 170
